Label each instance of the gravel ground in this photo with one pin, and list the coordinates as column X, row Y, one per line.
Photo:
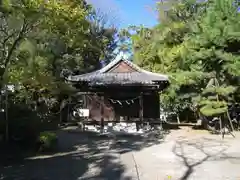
column 182, row 155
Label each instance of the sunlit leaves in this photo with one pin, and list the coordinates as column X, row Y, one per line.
column 222, row 91
column 210, row 110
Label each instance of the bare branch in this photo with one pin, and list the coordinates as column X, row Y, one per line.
column 4, row 43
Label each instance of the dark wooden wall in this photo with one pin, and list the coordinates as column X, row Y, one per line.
column 151, row 105
column 112, row 110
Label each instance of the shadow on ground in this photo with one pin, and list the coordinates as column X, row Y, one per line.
column 85, row 156
column 195, row 152
column 128, row 143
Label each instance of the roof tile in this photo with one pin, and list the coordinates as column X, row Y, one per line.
column 102, row 76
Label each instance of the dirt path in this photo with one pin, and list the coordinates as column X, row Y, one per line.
column 188, row 155
column 183, row 155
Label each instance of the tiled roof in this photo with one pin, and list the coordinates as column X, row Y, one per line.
column 102, row 76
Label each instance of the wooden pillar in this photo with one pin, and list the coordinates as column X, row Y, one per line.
column 84, row 106
column 140, row 111
column 102, row 112
column 160, row 112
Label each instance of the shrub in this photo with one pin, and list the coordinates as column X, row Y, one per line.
column 23, row 124
column 47, row 141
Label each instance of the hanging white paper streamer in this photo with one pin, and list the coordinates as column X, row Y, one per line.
column 128, row 101
column 119, row 102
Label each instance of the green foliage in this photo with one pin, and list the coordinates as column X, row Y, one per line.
column 38, row 40
column 195, row 43
column 48, row 141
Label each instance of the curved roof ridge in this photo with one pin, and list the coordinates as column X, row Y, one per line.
column 116, row 61
column 83, row 75
column 140, row 75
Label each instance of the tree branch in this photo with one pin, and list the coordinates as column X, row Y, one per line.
column 5, row 41
column 9, row 53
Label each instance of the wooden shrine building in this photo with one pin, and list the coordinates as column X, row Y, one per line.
column 121, row 91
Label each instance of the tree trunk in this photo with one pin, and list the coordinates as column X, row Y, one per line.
column 6, row 116
column 178, row 119
column 140, row 112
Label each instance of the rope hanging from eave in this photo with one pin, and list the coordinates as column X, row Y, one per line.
column 127, row 101
column 115, row 101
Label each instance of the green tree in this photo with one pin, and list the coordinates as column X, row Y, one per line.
column 216, row 38
column 165, row 49
column 194, row 43
column 41, row 38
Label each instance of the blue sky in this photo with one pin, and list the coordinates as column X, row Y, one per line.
column 128, row 12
